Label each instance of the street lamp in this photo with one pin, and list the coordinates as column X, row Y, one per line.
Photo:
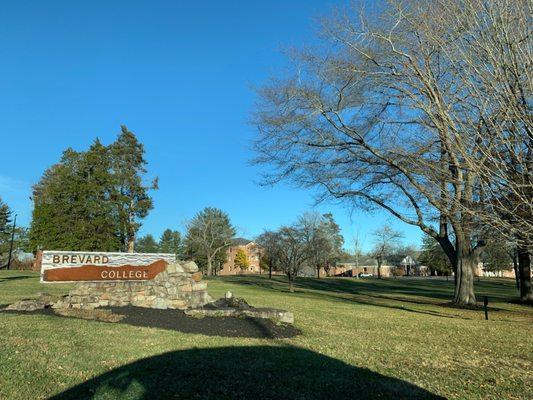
column 12, row 240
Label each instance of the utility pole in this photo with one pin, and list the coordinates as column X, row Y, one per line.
column 12, row 240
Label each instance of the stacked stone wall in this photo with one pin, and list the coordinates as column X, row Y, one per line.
column 179, row 286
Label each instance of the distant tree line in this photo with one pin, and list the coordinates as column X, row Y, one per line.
column 169, row 242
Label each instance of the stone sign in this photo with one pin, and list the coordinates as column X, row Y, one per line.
column 72, row 266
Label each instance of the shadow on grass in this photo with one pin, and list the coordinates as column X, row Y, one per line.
column 390, row 293
column 432, row 288
column 261, row 372
column 14, row 278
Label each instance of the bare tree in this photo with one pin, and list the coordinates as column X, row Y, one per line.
column 379, row 118
column 288, row 250
column 208, row 234
column 491, row 58
column 386, row 240
column 357, row 249
column 322, row 238
column 268, row 241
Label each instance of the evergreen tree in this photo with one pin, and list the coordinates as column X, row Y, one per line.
column 170, row 242
column 241, row 260
column 99, row 228
column 5, row 217
column 434, row 257
column 497, row 257
column 92, row 200
column 130, row 194
column 72, row 204
column 147, row 244
column 5, row 229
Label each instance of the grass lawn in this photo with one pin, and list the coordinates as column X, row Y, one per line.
column 360, row 339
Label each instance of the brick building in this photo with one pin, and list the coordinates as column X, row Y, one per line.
column 253, row 254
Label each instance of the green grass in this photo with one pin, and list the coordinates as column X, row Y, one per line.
column 360, row 339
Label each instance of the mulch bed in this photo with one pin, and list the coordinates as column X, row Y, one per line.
column 211, row 326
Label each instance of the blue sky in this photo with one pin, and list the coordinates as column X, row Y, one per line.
column 180, row 74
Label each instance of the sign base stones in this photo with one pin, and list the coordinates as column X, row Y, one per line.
column 178, row 286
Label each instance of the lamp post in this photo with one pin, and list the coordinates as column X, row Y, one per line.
column 12, row 240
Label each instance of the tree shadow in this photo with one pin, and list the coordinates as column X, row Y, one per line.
column 429, row 288
column 387, row 293
column 13, row 278
column 261, row 372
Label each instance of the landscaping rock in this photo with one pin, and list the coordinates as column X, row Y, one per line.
column 202, row 312
column 270, row 313
column 230, row 306
column 98, row 315
column 233, row 302
column 47, row 299
column 26, row 305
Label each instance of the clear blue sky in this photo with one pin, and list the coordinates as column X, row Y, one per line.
column 180, row 75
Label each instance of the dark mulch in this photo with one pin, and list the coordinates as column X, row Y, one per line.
column 522, row 303
column 211, row 326
column 477, row 307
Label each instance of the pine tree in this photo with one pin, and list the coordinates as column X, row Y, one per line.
column 434, row 257
column 92, row 200
column 72, row 204
column 5, row 217
column 130, row 194
column 147, row 244
column 5, row 225
column 241, row 260
column 497, row 257
column 170, row 242
column 54, row 216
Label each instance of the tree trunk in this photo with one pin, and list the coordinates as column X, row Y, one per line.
column 131, row 245
column 318, row 272
column 209, row 266
column 291, row 286
column 270, row 270
column 466, row 262
column 524, row 269
column 516, row 269
column 379, row 267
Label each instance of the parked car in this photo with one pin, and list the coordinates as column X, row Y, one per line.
column 364, row 275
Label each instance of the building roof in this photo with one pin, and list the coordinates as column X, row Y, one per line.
column 240, row 242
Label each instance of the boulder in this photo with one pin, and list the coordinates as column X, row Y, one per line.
column 174, row 268
column 197, row 276
column 189, row 266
